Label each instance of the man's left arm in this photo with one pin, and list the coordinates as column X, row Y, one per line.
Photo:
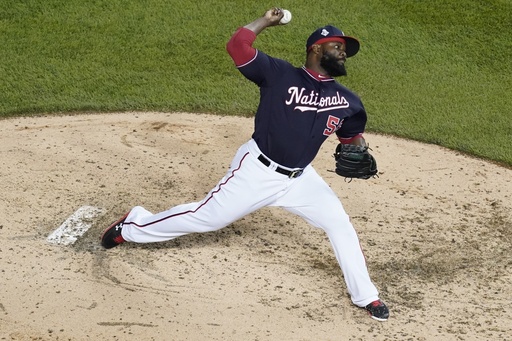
column 353, row 160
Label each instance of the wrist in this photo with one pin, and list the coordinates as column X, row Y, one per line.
column 258, row 25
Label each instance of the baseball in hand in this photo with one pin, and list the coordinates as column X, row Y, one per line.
column 287, row 17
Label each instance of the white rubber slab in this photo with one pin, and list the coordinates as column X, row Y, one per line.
column 75, row 226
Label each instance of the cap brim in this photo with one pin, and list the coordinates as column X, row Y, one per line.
column 351, row 45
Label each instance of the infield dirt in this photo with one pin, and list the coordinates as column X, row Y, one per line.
column 435, row 228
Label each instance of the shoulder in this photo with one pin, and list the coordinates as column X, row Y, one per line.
column 349, row 94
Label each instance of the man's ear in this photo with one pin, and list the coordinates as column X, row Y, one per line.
column 316, row 48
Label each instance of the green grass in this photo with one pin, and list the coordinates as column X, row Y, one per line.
column 436, row 71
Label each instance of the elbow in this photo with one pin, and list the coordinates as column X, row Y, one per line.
column 232, row 46
column 229, row 46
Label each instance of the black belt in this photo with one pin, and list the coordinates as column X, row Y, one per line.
column 291, row 174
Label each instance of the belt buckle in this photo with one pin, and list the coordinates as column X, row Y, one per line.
column 295, row 173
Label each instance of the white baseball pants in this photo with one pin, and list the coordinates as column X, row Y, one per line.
column 249, row 185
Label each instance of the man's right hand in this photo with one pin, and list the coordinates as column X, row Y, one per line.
column 270, row 18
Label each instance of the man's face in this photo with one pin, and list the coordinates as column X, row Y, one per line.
column 333, row 59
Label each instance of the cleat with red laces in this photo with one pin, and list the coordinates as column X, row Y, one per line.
column 378, row 310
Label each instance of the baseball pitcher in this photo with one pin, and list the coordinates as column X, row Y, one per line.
column 299, row 108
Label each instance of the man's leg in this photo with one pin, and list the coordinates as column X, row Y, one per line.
column 246, row 187
column 311, row 198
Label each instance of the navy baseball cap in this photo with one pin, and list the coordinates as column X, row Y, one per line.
column 331, row 33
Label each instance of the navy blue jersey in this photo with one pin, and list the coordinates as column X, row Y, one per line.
column 298, row 110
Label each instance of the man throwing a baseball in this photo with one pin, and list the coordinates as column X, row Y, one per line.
column 299, row 108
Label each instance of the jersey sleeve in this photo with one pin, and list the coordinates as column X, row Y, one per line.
column 352, row 127
column 240, row 46
column 252, row 63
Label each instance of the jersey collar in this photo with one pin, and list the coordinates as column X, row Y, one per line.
column 315, row 75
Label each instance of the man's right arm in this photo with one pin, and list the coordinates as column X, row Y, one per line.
column 240, row 47
column 270, row 18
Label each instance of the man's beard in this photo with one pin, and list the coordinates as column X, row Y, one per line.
column 332, row 66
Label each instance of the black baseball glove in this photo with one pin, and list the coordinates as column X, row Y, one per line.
column 355, row 162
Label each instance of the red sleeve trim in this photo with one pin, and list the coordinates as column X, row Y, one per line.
column 240, row 47
column 348, row 140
